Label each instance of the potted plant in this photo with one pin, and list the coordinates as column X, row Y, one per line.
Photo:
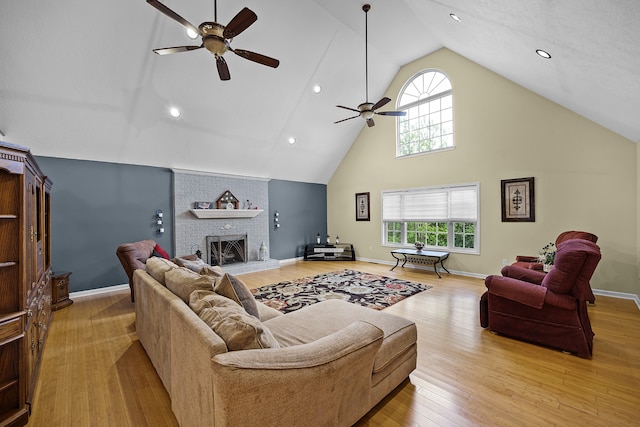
column 548, row 256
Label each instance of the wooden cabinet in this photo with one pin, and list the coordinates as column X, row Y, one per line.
column 25, row 279
column 60, row 290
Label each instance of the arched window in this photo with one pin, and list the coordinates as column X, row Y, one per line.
column 428, row 125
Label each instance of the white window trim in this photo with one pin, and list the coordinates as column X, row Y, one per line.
column 451, row 248
column 418, row 102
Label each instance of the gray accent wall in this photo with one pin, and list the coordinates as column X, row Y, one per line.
column 303, row 214
column 96, row 206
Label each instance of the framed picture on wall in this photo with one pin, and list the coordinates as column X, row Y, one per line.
column 362, row 207
column 518, row 200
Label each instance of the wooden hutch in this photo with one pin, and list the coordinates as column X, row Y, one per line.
column 25, row 279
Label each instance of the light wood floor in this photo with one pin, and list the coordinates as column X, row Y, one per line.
column 96, row 373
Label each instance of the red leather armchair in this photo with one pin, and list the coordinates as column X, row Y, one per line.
column 533, row 262
column 553, row 312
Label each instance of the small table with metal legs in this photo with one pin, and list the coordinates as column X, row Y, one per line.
column 421, row 257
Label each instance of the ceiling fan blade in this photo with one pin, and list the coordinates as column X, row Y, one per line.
column 370, row 123
column 171, row 14
column 392, row 113
column 256, row 57
column 348, row 108
column 239, row 23
column 348, row 118
column 177, row 49
column 223, row 69
column 380, row 103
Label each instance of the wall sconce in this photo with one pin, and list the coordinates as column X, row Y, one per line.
column 276, row 219
column 159, row 223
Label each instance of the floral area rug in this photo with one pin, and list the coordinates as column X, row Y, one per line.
column 366, row 289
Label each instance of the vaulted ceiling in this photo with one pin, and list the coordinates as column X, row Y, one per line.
column 78, row 79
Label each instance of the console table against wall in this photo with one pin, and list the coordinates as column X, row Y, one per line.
column 421, row 257
column 325, row 252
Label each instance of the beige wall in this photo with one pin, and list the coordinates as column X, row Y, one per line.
column 585, row 175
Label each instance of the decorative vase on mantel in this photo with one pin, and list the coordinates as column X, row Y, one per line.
column 547, row 267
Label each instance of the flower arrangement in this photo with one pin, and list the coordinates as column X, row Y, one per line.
column 548, row 254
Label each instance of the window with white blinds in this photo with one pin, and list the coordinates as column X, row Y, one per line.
column 444, row 217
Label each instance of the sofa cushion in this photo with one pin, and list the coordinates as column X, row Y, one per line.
column 230, row 321
column 232, row 287
column 157, row 267
column 192, row 264
column 319, row 320
column 182, row 282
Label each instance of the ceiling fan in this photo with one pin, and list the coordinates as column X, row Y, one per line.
column 366, row 110
column 217, row 38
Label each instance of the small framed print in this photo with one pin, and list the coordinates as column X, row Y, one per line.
column 362, row 207
column 518, row 200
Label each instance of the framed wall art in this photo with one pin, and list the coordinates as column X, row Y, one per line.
column 518, row 200
column 362, row 207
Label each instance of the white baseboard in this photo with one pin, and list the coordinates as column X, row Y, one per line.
column 623, row 295
column 105, row 290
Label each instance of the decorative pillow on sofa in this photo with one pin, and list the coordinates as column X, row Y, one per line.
column 195, row 265
column 229, row 321
column 157, row 267
column 182, row 282
column 232, row 287
column 212, row 270
column 159, row 252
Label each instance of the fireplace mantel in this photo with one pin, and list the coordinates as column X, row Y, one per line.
column 226, row 213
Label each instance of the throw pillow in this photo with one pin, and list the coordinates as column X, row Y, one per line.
column 159, row 252
column 157, row 267
column 237, row 329
column 233, row 288
column 182, row 282
column 195, row 265
column 201, row 299
column 210, row 270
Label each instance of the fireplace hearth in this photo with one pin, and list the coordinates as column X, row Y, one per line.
column 224, row 250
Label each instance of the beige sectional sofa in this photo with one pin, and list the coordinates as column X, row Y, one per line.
column 333, row 361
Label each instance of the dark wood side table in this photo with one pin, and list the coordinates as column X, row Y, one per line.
column 60, row 290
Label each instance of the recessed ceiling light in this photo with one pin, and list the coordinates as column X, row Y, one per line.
column 317, row 89
column 191, row 34
column 543, row 53
column 292, row 140
column 175, row 112
column 455, row 17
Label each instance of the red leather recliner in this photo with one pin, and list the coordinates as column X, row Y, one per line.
column 533, row 262
column 552, row 313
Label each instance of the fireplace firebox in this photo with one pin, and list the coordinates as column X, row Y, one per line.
column 227, row 249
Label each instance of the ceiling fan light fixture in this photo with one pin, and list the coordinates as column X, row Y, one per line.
column 455, row 17
column 192, row 34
